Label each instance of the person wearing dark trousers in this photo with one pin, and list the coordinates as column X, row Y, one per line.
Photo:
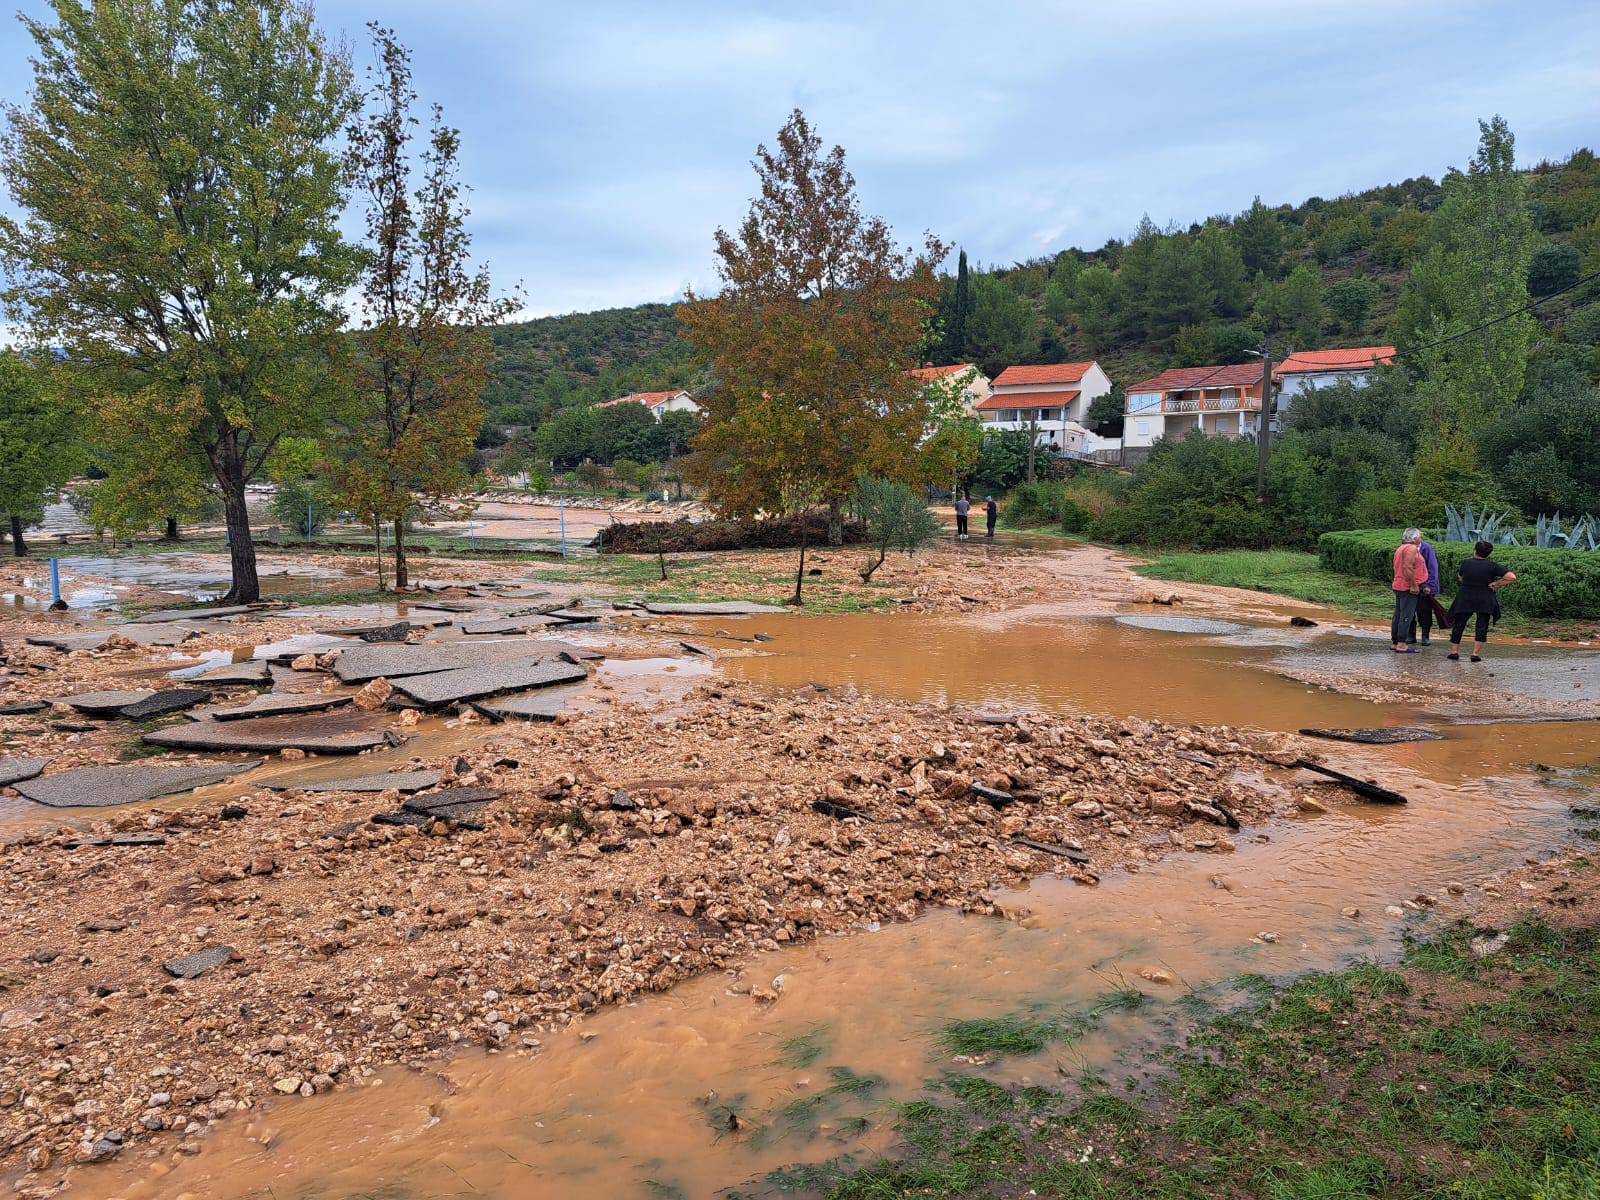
column 1410, row 576
column 963, row 506
column 1477, row 600
column 1427, row 601
column 991, row 514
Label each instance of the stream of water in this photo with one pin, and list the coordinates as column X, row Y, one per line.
column 635, row 1105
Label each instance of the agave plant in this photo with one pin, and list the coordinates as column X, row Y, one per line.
column 1469, row 525
column 1547, row 534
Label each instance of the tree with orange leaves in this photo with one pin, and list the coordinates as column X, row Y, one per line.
column 820, row 316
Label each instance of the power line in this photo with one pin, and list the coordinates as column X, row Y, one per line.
column 1516, row 312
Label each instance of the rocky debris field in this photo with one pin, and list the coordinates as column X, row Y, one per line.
column 285, row 942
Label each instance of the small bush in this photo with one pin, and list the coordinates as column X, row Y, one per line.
column 1550, row 583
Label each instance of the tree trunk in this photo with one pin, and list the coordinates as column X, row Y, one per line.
column 1033, row 443
column 246, row 587
column 866, row 575
column 377, row 547
column 402, row 576
column 18, row 546
column 835, row 524
column 800, row 571
column 172, row 534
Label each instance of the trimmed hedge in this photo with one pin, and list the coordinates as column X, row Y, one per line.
column 674, row 537
column 1550, row 583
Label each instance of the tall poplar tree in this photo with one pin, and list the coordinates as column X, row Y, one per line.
column 1474, row 268
column 819, row 320
column 179, row 196
column 420, row 360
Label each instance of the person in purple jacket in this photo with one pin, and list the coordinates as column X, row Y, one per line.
column 1430, row 594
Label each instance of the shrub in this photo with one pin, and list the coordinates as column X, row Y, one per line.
column 1198, row 492
column 1550, row 583
column 302, row 506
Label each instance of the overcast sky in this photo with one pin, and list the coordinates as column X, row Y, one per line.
column 606, row 140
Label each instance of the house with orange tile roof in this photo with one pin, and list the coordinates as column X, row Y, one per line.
column 1306, row 370
column 1220, row 400
column 974, row 383
column 1054, row 398
column 657, row 402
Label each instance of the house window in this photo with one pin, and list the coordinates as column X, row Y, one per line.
column 1143, row 427
column 1144, row 401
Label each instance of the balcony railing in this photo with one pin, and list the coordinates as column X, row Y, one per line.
column 1212, row 404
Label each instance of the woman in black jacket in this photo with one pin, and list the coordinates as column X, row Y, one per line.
column 1481, row 578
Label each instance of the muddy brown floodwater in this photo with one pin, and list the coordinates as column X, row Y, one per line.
column 628, row 1103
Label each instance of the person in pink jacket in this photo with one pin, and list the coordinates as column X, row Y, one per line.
column 1410, row 574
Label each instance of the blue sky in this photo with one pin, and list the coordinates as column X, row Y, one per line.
column 606, row 140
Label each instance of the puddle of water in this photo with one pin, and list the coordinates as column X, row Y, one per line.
column 198, row 577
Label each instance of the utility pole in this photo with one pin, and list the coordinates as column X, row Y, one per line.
column 1264, row 425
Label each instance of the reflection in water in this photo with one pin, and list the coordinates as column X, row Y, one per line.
column 624, row 1114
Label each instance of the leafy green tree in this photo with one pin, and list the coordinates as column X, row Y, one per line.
column 897, row 518
column 1003, row 456
column 178, row 196
column 678, row 430
column 1222, row 270
column 1260, row 238
column 1060, row 294
column 568, row 437
column 1218, row 342
column 1002, row 328
column 1542, row 450
column 1553, row 268
column 1317, row 475
column 39, row 446
column 626, row 431
column 1106, row 413
column 1400, row 239
column 1196, row 491
column 1293, row 308
column 1475, row 269
column 1350, row 301
column 957, row 312
column 955, row 437
column 1099, row 300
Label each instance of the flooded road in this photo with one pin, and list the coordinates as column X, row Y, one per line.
column 635, row 1101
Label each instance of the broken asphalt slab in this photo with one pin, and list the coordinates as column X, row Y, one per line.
column 23, row 708
column 15, row 770
column 102, row 704
column 1376, row 737
column 718, row 608
column 100, row 787
column 162, row 703
column 363, row 663
column 321, row 733
column 190, row 614
column 525, row 624
column 399, row 781
column 471, row 683
column 544, row 705
column 192, row 966
column 70, row 642
column 240, row 673
column 275, row 704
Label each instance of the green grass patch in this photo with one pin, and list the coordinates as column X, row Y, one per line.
column 1449, row 1076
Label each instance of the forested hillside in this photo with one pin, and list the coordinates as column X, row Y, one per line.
column 543, row 364
column 1325, row 272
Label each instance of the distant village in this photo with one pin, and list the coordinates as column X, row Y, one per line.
column 1054, row 399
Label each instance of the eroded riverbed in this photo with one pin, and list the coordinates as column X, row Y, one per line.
column 637, row 1101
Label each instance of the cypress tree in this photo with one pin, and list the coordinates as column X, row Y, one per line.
column 955, row 321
